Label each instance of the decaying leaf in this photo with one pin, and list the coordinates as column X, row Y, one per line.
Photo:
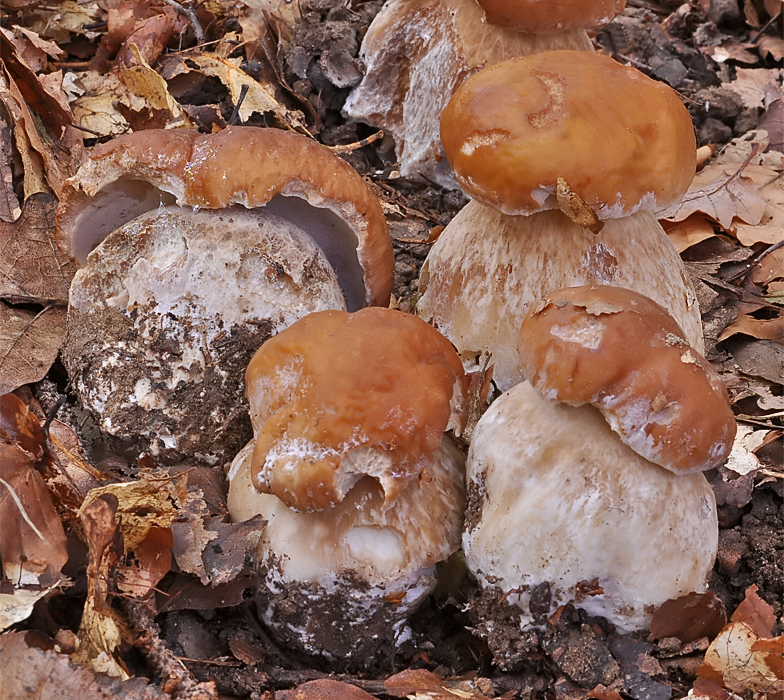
column 419, row 684
column 259, row 98
column 742, row 459
column 32, row 539
column 29, row 343
column 762, row 329
column 18, row 606
column 689, row 617
column 693, row 229
column 101, row 630
column 324, row 689
column 32, row 269
column 153, row 557
column 756, row 613
column 30, row 673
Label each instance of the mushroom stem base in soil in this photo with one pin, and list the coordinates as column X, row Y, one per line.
column 341, row 583
column 488, row 268
column 554, row 497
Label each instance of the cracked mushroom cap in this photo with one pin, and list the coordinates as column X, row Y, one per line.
column 569, row 130
column 338, row 395
column 290, row 175
column 623, row 353
column 545, row 17
column 554, row 497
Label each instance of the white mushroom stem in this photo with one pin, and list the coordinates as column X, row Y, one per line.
column 555, row 496
column 487, row 268
column 417, row 53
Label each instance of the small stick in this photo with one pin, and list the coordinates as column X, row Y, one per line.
column 191, row 15
column 357, row 144
column 240, row 100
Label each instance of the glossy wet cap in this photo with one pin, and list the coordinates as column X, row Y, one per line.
column 546, row 16
column 338, row 395
column 565, row 129
column 623, row 353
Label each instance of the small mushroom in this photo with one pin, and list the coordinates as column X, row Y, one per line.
column 562, row 186
column 418, row 51
column 350, row 465
column 555, row 498
column 623, row 353
column 195, row 249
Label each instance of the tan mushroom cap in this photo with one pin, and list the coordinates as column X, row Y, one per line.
column 337, row 395
column 137, row 172
column 542, row 16
column 616, row 139
column 623, row 353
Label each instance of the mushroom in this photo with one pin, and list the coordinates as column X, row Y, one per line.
column 555, row 498
column 623, row 353
column 350, row 465
column 418, row 51
column 195, row 249
column 529, row 141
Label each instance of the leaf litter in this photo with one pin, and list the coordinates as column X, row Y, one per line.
column 157, row 535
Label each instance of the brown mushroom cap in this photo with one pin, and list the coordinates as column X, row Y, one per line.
column 616, row 139
column 543, row 17
column 335, row 385
column 623, row 353
column 250, row 166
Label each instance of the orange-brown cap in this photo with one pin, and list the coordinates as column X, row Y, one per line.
column 338, row 395
column 137, row 172
column 611, row 137
column 623, row 353
column 543, row 16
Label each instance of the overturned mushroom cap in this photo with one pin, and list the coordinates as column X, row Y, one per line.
column 417, row 52
column 542, row 16
column 341, row 582
column 487, row 269
column 292, row 176
column 554, row 497
column 564, row 128
column 623, row 353
column 336, row 384
column 167, row 312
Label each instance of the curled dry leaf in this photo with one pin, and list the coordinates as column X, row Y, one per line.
column 324, row 689
column 420, row 684
column 693, row 229
column 756, row 613
column 32, row 539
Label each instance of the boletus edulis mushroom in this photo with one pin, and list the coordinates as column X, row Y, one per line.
column 564, row 154
column 351, row 466
column 195, row 249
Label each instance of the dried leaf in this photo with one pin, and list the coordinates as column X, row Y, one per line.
column 224, row 557
column 771, row 46
column 18, row 606
column 693, row 229
column 260, row 97
column 742, row 459
column 9, row 204
column 756, row 613
column 752, row 84
column 762, row 329
column 32, row 269
column 191, row 537
column 689, row 617
column 29, row 343
column 153, row 561
column 739, row 663
column 324, row 689
column 28, row 673
column 770, row 228
column 770, row 268
column 419, row 684
column 724, row 193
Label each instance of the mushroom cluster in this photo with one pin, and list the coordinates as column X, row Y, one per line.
column 194, row 249
column 418, row 52
column 564, row 497
column 351, row 466
column 562, row 188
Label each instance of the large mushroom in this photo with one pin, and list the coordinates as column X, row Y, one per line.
column 195, row 249
column 602, row 508
column 350, row 465
column 418, row 52
column 562, row 187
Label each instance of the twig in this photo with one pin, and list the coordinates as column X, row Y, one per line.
column 240, row 100
column 192, row 18
column 357, row 144
column 755, row 260
column 177, row 679
column 765, row 26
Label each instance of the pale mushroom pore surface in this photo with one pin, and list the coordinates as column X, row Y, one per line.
column 620, row 140
column 623, row 353
column 335, row 383
column 554, row 496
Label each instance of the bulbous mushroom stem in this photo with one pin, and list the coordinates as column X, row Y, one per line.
column 487, row 269
column 555, row 497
